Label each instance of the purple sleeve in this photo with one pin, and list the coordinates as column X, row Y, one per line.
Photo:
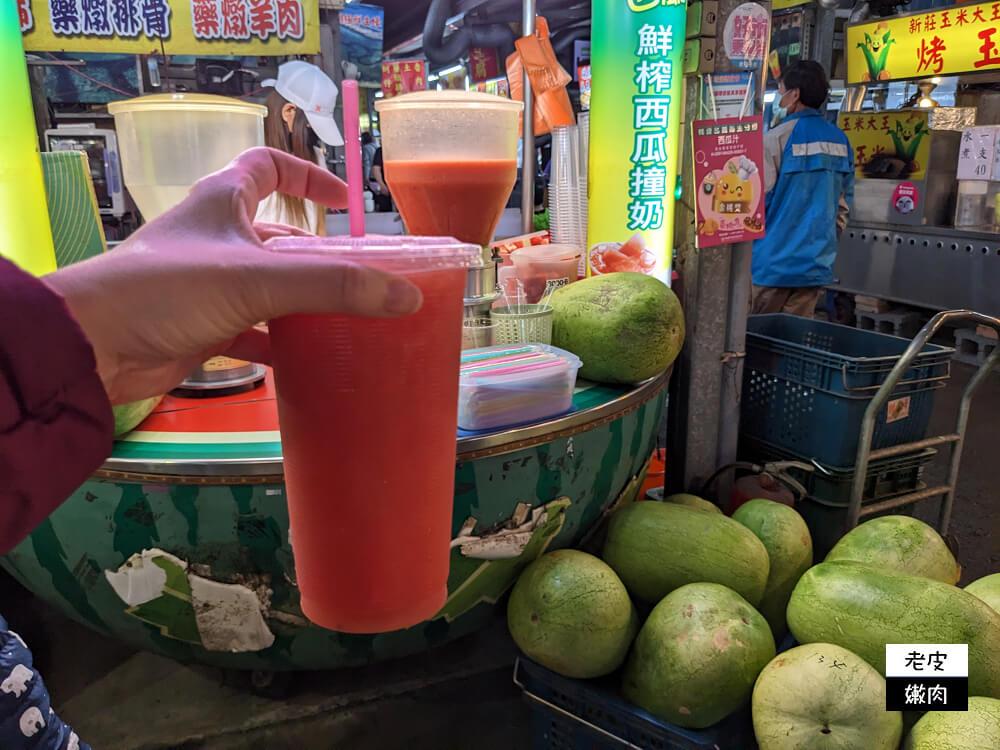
column 55, row 419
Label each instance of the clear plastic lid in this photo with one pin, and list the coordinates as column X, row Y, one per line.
column 437, row 99
column 514, row 364
column 551, row 252
column 448, row 126
column 387, row 252
column 185, row 100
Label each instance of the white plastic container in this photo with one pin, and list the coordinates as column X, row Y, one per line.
column 500, row 386
column 170, row 141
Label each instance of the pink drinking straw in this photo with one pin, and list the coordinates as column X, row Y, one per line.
column 352, row 154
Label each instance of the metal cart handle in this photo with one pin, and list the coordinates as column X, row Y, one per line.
column 568, row 714
column 854, row 389
column 957, row 440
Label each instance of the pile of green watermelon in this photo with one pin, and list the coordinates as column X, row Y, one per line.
column 724, row 591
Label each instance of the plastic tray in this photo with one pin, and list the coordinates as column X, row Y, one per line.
column 514, row 384
column 801, row 373
column 587, row 715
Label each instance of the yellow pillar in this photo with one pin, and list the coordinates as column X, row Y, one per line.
column 25, row 234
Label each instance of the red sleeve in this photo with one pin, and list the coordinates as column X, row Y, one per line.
column 55, row 418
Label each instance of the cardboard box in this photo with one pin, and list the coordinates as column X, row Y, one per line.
column 699, row 56
column 702, row 18
column 871, row 304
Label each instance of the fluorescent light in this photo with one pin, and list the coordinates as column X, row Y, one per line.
column 449, row 71
column 379, row 94
column 770, row 96
column 432, row 77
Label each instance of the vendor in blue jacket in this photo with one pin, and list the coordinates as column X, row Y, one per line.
column 809, row 186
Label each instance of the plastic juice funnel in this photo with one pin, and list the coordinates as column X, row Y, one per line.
column 170, row 141
column 368, row 411
column 450, row 160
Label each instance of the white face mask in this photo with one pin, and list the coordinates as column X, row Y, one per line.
column 779, row 111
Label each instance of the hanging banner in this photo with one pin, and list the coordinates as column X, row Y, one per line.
column 636, row 49
column 729, row 179
column 959, row 39
column 483, row 64
column 891, row 145
column 176, row 27
column 361, row 30
column 403, row 76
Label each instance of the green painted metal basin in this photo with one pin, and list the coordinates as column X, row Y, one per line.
column 179, row 544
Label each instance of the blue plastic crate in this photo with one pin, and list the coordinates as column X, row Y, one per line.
column 824, row 508
column 807, row 384
column 572, row 714
column 885, row 477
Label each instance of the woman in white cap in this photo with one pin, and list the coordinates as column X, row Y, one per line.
column 299, row 109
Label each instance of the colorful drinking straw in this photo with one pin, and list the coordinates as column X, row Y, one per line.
column 352, row 157
column 24, row 217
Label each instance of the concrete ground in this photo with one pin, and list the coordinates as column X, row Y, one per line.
column 455, row 698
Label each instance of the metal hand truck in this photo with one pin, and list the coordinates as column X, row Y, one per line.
column 956, row 439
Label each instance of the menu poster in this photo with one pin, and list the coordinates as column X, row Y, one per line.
column 403, row 76
column 731, row 92
column 729, row 179
column 977, row 153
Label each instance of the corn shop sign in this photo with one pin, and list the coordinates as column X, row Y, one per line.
column 945, row 41
column 179, row 27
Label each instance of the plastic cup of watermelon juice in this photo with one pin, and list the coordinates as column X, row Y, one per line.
column 368, row 411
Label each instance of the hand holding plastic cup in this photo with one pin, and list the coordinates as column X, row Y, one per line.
column 368, row 411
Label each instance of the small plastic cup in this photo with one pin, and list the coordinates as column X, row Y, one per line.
column 523, row 324
column 535, row 265
column 368, row 414
column 477, row 333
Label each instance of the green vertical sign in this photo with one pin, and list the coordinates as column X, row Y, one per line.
column 636, row 100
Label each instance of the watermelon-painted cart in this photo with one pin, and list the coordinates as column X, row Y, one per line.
column 179, row 544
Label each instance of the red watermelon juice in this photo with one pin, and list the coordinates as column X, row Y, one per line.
column 368, row 416
column 462, row 199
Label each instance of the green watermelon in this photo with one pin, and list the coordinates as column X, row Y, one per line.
column 862, row 608
column 658, row 547
column 692, row 501
column 789, row 549
column 899, row 543
column 823, row 696
column 626, row 327
column 569, row 612
column 975, row 729
column 696, row 658
column 987, row 589
column 128, row 416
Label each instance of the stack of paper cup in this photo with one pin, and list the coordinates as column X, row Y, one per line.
column 583, row 124
column 566, row 223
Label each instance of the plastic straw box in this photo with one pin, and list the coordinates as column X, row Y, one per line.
column 507, row 385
